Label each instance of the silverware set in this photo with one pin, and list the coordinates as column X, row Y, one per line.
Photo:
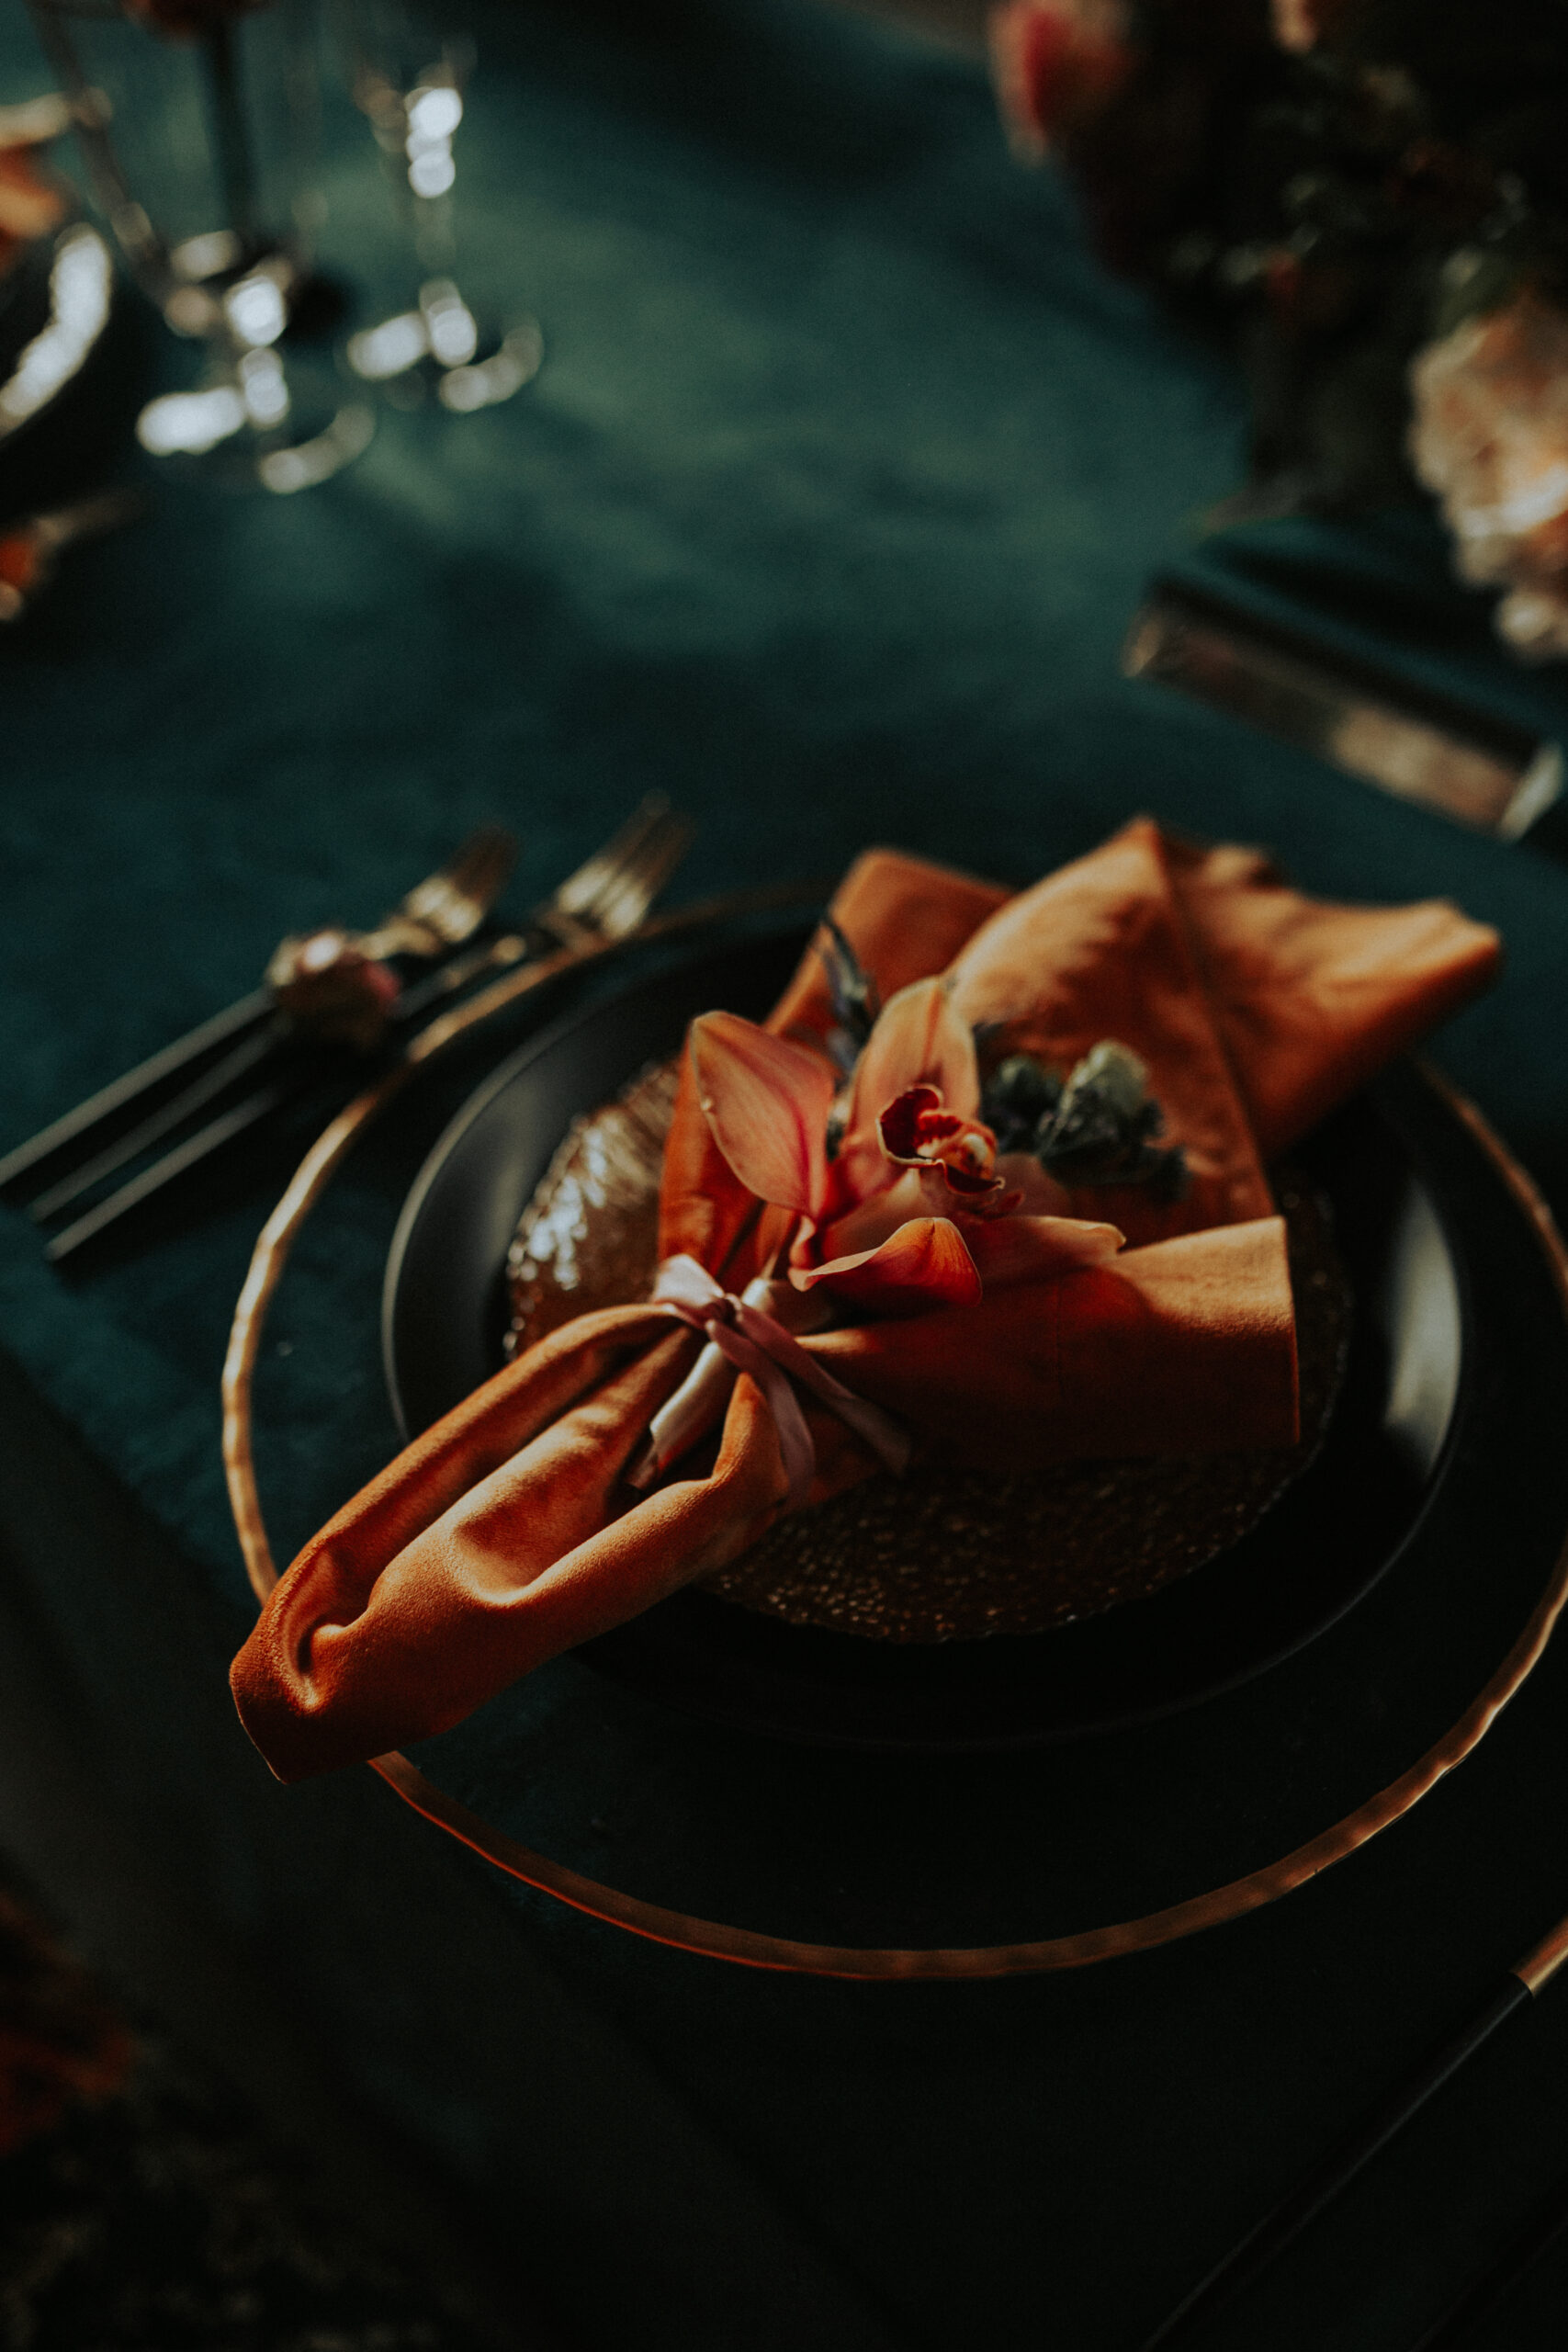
column 333, row 1004
column 339, row 1006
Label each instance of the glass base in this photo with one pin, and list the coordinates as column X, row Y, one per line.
column 259, row 422
column 442, row 350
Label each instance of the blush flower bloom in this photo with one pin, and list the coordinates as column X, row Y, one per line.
column 1058, row 64
column 912, row 1213
column 917, row 1130
column 1489, row 434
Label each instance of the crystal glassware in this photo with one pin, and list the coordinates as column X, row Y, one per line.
column 408, row 66
column 197, row 120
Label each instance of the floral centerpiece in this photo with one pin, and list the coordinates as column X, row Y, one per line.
column 1370, row 197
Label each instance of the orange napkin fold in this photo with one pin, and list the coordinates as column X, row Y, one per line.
column 990, row 1336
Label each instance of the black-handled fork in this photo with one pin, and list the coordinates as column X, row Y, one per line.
column 438, row 914
column 605, row 899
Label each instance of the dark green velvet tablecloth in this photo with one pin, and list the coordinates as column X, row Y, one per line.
column 827, row 515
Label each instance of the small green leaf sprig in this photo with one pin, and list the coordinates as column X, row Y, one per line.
column 1097, row 1125
column 856, row 1002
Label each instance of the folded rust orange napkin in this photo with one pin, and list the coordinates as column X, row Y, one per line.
column 856, row 1266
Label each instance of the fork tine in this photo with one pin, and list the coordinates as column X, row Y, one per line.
column 477, row 873
column 608, row 894
column 623, row 907
column 484, row 861
column 577, row 895
column 484, row 858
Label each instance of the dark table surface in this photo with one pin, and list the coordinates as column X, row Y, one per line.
column 827, row 515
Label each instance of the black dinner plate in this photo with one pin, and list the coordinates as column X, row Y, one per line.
column 1401, row 1176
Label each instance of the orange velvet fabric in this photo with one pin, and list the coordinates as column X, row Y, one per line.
column 1103, row 949
column 507, row 1533
column 1181, row 1346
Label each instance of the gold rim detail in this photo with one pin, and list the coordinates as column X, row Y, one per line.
column 751, row 1948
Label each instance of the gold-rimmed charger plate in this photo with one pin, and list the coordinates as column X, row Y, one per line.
column 1516, row 1270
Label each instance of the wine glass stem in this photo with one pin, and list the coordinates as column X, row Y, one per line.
column 230, row 135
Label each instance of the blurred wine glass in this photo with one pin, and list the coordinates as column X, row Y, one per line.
column 408, row 68
column 197, row 120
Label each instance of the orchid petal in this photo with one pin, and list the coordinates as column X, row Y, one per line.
column 918, row 1041
column 899, row 1124
column 1009, row 1249
column 969, row 1183
column 766, row 1101
column 870, row 1222
column 923, row 1266
column 917, row 1131
column 1039, row 1194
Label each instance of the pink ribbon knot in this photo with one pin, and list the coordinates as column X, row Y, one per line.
column 743, row 1336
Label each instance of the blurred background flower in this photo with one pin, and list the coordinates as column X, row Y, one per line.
column 189, row 19
column 32, row 201
column 1344, row 189
column 1490, row 438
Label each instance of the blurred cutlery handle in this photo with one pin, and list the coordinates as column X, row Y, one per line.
column 1466, row 764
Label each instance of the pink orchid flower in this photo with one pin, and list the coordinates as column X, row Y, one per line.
column 912, row 1211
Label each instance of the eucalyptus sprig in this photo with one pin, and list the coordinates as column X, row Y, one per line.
column 1099, row 1126
column 856, row 1002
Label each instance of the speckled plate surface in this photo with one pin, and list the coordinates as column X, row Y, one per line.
column 1311, row 1556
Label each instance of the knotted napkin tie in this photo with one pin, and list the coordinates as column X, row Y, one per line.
column 744, row 1335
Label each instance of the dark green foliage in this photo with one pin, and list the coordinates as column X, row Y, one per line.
column 1099, row 1126
column 1019, row 1099
column 1334, row 211
column 855, row 1001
